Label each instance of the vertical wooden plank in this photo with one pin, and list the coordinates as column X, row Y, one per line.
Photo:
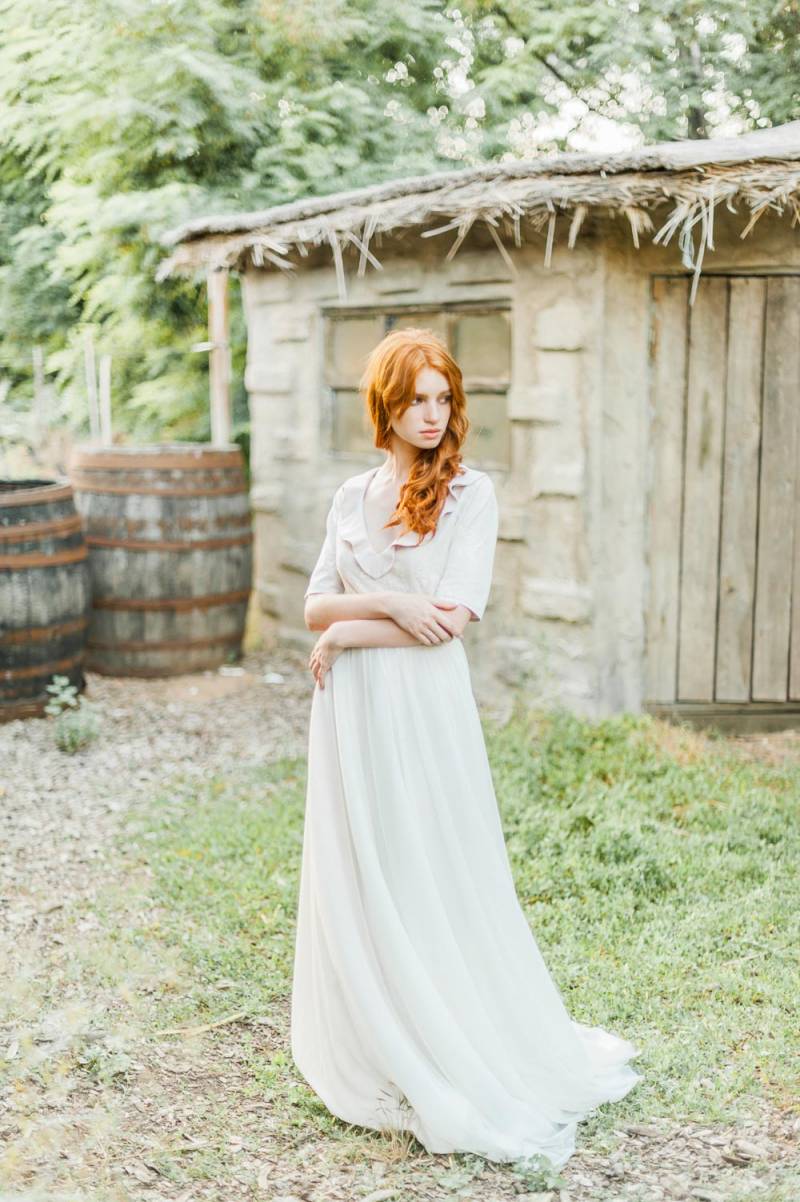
column 705, row 408
column 740, row 489
column 777, row 492
column 106, row 433
column 39, row 392
column 793, row 285
column 668, row 365
column 91, row 382
column 616, row 476
column 219, row 356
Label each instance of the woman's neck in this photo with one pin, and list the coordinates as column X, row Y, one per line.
column 398, row 463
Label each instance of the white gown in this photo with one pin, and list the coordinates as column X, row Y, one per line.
column 420, row 999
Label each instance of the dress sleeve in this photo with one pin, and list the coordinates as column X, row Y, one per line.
column 467, row 577
column 325, row 577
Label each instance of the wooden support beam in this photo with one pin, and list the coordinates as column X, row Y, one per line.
column 219, row 363
column 91, row 383
column 106, row 434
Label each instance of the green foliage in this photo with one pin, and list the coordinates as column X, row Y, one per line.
column 63, row 695
column 671, row 68
column 77, row 722
column 119, row 122
column 536, row 1174
column 234, row 843
column 658, row 875
column 660, row 884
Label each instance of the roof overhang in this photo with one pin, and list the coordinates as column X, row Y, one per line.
column 761, row 168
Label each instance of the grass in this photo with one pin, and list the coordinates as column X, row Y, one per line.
column 660, row 881
column 657, row 868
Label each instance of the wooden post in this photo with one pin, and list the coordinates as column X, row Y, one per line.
column 105, row 400
column 39, row 392
column 219, row 369
column 91, row 383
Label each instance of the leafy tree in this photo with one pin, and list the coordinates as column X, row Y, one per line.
column 118, row 122
column 672, row 68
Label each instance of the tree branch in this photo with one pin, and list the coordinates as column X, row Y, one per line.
column 498, row 10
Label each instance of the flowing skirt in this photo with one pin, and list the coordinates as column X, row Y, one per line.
column 420, row 999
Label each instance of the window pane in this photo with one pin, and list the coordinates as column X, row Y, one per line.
column 352, row 429
column 489, row 437
column 350, row 340
column 482, row 345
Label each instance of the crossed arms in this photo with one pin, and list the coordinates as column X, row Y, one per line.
column 386, row 619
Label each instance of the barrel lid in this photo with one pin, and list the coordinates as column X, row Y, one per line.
column 33, row 492
column 190, row 456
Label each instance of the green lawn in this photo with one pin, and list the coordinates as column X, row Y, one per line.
column 658, row 871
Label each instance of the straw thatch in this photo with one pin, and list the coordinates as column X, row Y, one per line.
column 762, row 169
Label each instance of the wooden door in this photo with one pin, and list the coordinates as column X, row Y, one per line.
column 723, row 623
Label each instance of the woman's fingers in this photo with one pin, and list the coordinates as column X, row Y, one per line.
column 317, row 667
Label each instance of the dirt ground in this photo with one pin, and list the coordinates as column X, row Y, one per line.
column 69, row 1134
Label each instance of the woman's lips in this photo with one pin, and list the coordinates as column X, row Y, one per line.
column 430, row 433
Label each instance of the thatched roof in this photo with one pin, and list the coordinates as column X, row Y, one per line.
column 761, row 168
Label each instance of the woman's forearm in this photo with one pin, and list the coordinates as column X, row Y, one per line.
column 375, row 632
column 323, row 609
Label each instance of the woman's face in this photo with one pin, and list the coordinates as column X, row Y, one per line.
column 424, row 421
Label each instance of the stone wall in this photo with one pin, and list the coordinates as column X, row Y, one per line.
column 565, row 621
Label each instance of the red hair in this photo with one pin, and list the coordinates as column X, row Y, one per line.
column 389, row 386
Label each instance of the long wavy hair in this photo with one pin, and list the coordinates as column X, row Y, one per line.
column 388, row 386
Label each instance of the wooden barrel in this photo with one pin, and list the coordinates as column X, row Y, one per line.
column 170, row 552
column 44, row 593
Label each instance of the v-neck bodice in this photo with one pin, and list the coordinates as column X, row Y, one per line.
column 382, row 551
column 352, row 525
column 402, row 535
column 455, row 557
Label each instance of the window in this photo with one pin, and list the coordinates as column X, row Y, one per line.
column 478, row 336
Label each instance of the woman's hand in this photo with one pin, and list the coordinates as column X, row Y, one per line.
column 326, row 649
column 423, row 616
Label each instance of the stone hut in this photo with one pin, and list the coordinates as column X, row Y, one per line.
column 628, row 326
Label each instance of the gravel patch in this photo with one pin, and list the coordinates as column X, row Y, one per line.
column 57, row 809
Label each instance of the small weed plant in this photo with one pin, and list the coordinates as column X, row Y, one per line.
column 76, row 721
column 537, row 1174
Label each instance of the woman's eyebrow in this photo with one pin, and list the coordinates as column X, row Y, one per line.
column 444, row 392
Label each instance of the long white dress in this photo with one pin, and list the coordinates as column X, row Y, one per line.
column 420, row 999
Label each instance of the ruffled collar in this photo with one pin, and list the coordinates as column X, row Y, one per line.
column 352, row 524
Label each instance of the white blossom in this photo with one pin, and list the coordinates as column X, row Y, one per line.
column 398, row 72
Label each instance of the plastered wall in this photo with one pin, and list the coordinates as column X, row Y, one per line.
column 565, row 622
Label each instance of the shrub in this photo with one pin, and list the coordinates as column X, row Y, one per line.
column 76, row 720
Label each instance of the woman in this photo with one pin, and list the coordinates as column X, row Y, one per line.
column 420, row 999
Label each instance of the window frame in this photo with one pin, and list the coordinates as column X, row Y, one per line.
column 452, row 310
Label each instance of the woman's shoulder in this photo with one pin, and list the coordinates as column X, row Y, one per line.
column 472, row 475
column 351, row 486
column 475, row 483
column 359, row 478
